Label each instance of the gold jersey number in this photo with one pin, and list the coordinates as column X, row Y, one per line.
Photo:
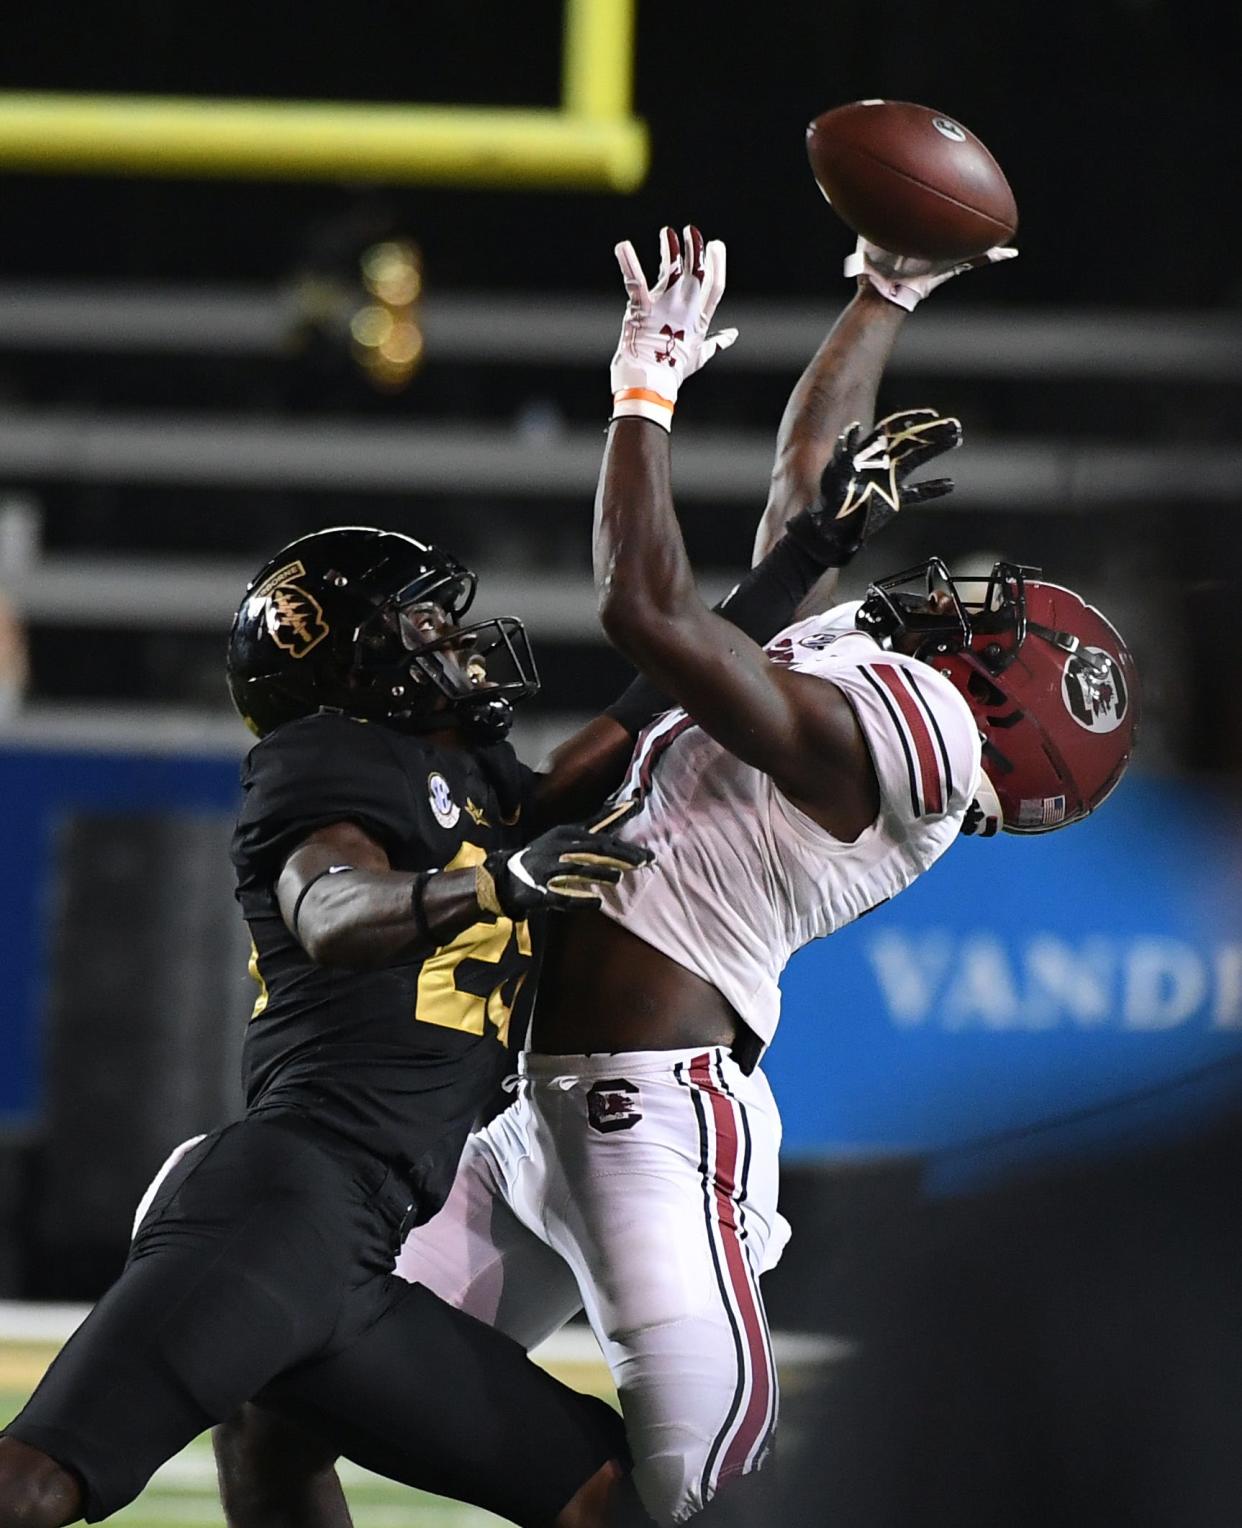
column 260, row 1002
column 473, row 981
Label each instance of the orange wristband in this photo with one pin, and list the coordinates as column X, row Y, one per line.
column 642, row 403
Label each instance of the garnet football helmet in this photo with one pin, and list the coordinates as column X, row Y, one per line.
column 341, row 620
column 1051, row 684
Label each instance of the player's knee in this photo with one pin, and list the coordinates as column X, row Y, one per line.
column 669, row 1485
column 35, row 1491
column 740, row 1503
column 271, row 1472
column 607, row 1500
column 674, row 1488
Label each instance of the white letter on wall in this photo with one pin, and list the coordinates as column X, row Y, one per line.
column 1165, row 981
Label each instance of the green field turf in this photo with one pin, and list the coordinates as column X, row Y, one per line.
column 183, row 1492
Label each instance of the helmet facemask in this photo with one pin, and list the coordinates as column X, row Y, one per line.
column 899, row 607
column 422, row 673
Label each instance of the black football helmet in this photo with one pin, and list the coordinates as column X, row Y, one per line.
column 330, row 623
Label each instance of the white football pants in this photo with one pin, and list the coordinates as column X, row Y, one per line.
column 642, row 1186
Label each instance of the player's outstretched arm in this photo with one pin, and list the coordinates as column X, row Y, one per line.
column 854, row 488
column 842, row 379
column 343, row 902
column 795, row 727
column 837, row 388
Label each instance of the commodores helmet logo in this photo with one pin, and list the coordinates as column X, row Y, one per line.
column 1094, row 690
column 294, row 618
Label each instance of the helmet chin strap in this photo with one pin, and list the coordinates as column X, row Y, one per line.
column 423, row 721
column 488, row 721
column 1065, row 640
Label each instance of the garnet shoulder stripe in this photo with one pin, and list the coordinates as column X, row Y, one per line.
column 657, row 749
column 916, row 805
column 920, row 736
column 651, row 745
column 929, row 712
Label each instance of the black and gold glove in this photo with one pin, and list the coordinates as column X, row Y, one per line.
column 864, row 485
column 562, row 868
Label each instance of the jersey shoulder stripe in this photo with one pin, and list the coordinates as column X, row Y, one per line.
column 926, row 765
column 930, row 712
column 649, row 747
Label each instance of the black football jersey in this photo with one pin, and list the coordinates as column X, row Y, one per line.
column 399, row 1060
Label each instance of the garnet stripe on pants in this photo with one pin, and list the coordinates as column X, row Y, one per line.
column 700, row 1112
column 754, row 1423
column 762, row 1446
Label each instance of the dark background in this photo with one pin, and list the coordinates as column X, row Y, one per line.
column 1115, row 120
column 1061, row 1350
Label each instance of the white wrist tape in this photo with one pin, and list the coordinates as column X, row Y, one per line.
column 898, row 292
column 643, row 403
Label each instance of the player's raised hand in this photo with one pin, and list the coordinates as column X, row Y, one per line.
column 664, row 335
column 864, row 487
column 563, row 868
column 907, row 279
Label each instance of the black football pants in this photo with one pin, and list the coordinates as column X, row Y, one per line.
column 261, row 1271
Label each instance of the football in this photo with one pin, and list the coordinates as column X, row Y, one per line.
column 911, row 179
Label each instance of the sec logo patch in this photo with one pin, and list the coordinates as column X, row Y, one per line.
column 440, row 797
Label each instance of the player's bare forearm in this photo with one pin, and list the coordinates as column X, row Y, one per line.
column 347, row 907
column 366, row 919
column 652, row 612
column 838, row 386
column 581, row 772
column 794, row 727
column 643, row 578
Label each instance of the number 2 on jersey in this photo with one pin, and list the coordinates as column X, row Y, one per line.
column 473, row 980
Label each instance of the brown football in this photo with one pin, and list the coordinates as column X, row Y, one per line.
column 910, row 179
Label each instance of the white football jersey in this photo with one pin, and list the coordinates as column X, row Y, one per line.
column 742, row 878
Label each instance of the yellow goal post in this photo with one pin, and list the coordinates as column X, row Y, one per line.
column 590, row 142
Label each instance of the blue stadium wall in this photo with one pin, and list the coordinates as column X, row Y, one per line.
column 1027, row 997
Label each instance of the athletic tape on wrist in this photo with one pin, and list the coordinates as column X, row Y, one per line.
column 889, row 287
column 642, row 403
column 485, row 892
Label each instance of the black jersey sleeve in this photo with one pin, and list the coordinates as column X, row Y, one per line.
column 514, row 784
column 316, row 771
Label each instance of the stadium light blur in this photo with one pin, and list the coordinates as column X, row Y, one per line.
column 386, row 334
column 590, row 142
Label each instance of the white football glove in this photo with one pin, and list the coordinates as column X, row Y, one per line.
column 907, row 279
column 664, row 336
